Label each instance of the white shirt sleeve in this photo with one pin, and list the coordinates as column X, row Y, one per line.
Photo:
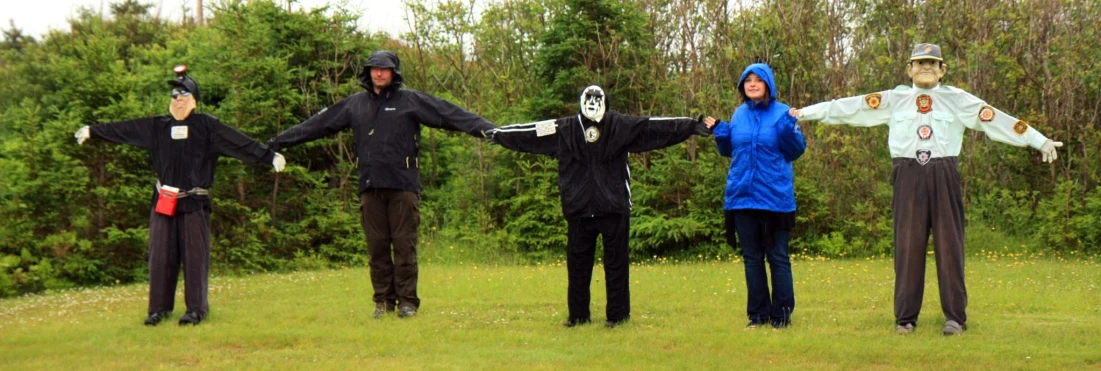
column 975, row 114
column 862, row 110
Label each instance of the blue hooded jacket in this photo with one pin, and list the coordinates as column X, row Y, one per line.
column 762, row 140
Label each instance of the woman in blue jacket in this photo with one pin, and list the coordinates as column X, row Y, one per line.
column 762, row 140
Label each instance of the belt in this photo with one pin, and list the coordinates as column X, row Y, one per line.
column 193, row 192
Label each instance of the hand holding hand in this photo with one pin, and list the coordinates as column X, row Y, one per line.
column 710, row 122
column 794, row 112
column 1048, row 149
column 279, row 162
column 82, row 135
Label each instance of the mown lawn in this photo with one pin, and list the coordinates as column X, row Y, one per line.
column 1026, row 312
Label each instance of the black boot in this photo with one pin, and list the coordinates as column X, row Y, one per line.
column 155, row 318
column 190, row 318
column 573, row 322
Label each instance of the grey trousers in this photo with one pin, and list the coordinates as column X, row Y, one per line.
column 175, row 240
column 928, row 198
column 390, row 217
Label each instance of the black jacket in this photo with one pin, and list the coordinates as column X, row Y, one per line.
column 593, row 178
column 189, row 159
column 386, row 128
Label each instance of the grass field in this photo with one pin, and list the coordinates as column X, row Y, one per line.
column 1026, row 312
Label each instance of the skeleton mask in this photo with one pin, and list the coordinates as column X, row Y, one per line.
column 592, row 103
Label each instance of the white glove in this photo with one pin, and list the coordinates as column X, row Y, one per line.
column 82, row 135
column 1048, row 149
column 279, row 162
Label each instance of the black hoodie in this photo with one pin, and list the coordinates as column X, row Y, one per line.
column 386, row 127
column 593, row 178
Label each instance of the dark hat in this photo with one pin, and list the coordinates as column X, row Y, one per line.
column 384, row 59
column 183, row 81
column 926, row 51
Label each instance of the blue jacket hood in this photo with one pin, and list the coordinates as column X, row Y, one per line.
column 765, row 73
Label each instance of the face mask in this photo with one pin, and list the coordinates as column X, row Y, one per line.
column 592, row 103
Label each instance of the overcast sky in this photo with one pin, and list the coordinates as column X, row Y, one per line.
column 35, row 17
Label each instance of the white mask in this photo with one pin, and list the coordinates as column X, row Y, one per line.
column 592, row 103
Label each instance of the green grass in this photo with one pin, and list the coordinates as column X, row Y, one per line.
column 1026, row 312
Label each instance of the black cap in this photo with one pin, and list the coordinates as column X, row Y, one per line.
column 183, row 81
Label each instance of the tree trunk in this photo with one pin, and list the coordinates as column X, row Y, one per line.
column 199, row 12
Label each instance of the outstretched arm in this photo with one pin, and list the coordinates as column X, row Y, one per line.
column 862, row 110
column 975, row 114
column 539, row 137
column 650, row 133
column 722, row 136
column 439, row 113
column 138, row 132
column 323, row 124
column 230, row 142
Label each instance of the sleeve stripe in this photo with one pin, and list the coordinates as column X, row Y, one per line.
column 669, row 118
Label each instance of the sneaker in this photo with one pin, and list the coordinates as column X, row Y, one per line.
column 754, row 324
column 156, row 318
column 952, row 328
column 407, row 312
column 572, row 322
column 381, row 309
column 616, row 323
column 190, row 318
column 905, row 329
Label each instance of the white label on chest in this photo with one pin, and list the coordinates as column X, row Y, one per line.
column 545, row 128
column 179, row 132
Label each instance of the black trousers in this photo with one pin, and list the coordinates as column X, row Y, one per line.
column 175, row 240
column 581, row 251
column 390, row 217
column 928, row 198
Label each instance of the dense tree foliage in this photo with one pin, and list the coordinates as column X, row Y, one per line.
column 76, row 215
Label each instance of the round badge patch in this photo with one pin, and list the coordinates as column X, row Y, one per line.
column 925, row 132
column 924, row 103
column 986, row 114
column 873, row 100
column 1020, row 127
column 592, row 134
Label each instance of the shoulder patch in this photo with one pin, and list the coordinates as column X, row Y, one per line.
column 1020, row 127
column 873, row 100
column 986, row 114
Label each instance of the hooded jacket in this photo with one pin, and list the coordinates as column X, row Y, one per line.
column 593, row 178
column 386, row 127
column 762, row 140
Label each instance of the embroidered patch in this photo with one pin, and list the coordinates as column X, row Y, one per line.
column 986, row 114
column 873, row 100
column 1020, row 127
column 592, row 134
column 923, row 156
column 925, row 132
column 924, row 103
column 545, row 128
column 179, row 132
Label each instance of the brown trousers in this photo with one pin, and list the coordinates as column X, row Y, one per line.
column 390, row 217
column 175, row 240
column 928, row 198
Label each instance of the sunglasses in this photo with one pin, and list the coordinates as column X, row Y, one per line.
column 178, row 93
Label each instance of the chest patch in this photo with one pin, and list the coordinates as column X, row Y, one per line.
column 925, row 132
column 592, row 134
column 924, row 103
column 923, row 156
column 179, row 132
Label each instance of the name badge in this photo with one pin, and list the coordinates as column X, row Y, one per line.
column 179, row 132
column 545, row 128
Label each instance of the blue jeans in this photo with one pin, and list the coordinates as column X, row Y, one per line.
column 759, row 244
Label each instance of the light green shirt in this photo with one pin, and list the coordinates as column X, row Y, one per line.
column 925, row 120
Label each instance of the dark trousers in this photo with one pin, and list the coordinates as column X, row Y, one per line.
column 928, row 198
column 761, row 240
column 390, row 217
column 175, row 240
column 580, row 252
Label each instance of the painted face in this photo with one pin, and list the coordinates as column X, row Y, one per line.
column 755, row 88
column 182, row 103
column 926, row 73
column 592, row 103
column 382, row 77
